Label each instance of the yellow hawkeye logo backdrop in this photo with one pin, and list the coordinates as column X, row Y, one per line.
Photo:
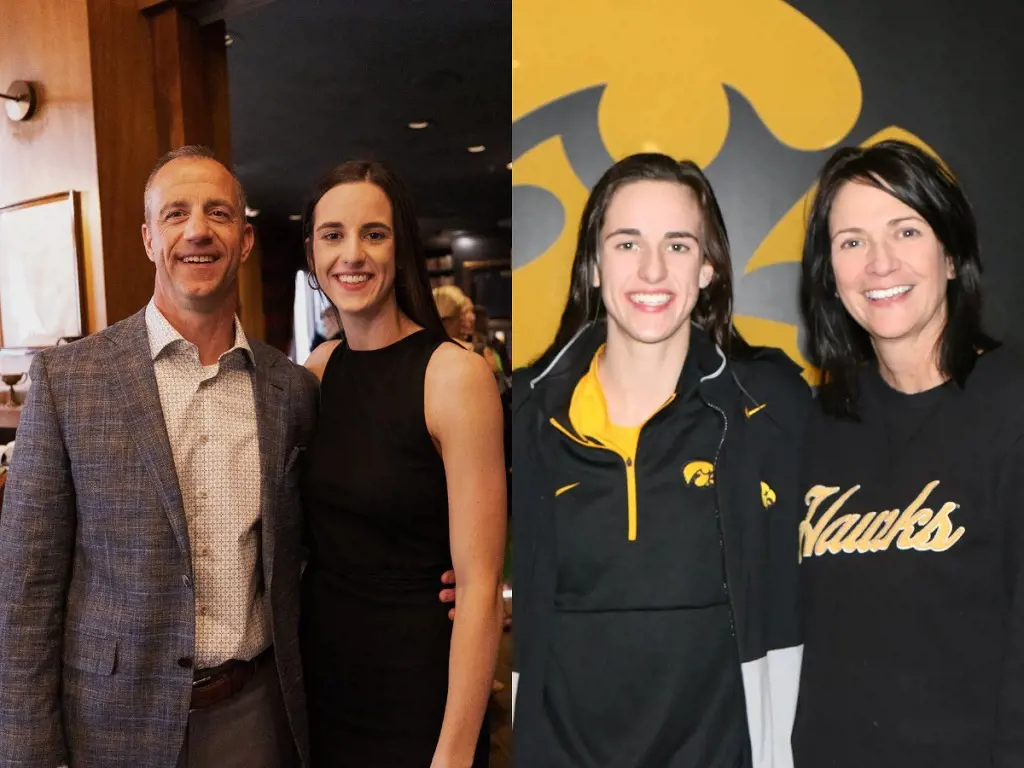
column 753, row 90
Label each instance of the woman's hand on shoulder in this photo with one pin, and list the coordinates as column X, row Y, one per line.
column 317, row 360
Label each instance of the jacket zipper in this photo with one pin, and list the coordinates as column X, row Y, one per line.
column 632, row 513
column 630, row 475
column 721, row 529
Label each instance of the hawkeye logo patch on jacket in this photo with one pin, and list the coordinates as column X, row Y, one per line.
column 699, row 473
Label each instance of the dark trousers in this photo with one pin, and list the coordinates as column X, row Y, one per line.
column 248, row 730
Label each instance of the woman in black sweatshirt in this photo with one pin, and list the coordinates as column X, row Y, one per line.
column 913, row 534
column 655, row 492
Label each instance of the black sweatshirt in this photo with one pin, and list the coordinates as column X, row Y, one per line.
column 913, row 591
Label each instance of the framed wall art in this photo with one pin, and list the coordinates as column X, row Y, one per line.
column 40, row 271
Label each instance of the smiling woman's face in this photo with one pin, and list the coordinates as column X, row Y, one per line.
column 652, row 266
column 891, row 270
column 353, row 247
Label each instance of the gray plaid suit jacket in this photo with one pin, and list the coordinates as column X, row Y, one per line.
column 97, row 613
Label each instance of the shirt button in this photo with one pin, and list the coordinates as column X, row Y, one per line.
column 202, row 611
column 205, row 552
column 204, row 439
column 203, row 495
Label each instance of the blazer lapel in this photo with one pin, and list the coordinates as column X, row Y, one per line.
column 270, row 387
column 140, row 400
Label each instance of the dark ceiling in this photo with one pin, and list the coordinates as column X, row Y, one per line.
column 315, row 82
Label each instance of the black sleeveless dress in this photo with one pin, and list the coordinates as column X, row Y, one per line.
column 375, row 638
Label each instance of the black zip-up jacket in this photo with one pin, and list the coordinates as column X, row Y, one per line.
column 762, row 402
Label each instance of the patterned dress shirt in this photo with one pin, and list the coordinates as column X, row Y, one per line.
column 210, row 413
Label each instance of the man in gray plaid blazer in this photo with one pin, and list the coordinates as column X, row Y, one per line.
column 151, row 531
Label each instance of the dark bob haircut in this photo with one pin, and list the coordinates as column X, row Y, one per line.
column 713, row 312
column 412, row 284
column 836, row 344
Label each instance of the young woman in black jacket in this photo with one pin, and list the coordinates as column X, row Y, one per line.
column 656, row 502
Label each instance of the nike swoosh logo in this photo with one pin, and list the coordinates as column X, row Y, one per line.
column 751, row 411
column 565, row 488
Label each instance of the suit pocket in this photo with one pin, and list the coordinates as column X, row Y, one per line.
column 291, row 479
column 294, row 459
column 289, row 490
column 86, row 653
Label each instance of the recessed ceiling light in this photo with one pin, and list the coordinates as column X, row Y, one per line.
column 476, row 149
column 295, row 217
column 418, row 126
column 508, row 165
column 251, row 213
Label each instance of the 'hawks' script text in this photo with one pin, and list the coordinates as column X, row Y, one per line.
column 916, row 527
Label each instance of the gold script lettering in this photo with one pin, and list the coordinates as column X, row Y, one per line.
column 810, row 532
column 938, row 536
column 882, row 523
column 916, row 527
column 852, row 542
column 832, row 539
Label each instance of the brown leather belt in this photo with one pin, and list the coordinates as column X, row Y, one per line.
column 212, row 686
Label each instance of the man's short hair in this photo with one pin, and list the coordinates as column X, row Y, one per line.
column 195, row 152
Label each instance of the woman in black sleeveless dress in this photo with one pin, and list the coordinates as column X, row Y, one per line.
column 404, row 480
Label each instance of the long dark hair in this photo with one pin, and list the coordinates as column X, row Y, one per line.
column 836, row 344
column 412, row 284
column 713, row 312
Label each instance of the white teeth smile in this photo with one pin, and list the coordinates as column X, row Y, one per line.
column 353, row 278
column 199, row 259
column 650, row 299
column 888, row 293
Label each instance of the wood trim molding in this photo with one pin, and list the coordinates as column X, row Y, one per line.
column 145, row 5
column 152, row 5
column 204, row 11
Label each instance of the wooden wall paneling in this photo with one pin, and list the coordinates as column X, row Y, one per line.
column 215, row 83
column 180, row 88
column 250, row 294
column 127, row 146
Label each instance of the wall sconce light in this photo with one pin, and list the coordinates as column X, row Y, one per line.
column 21, row 100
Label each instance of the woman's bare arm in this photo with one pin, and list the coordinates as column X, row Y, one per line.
column 464, row 416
